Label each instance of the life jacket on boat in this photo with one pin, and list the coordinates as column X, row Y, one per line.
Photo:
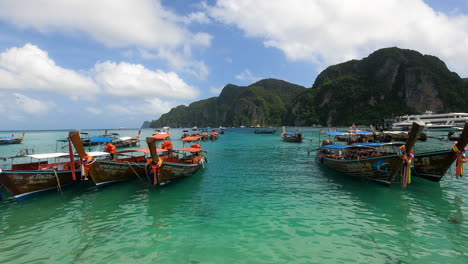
column 196, row 146
column 110, row 148
column 167, row 145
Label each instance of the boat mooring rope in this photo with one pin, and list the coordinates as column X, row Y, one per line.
column 59, row 187
column 135, row 171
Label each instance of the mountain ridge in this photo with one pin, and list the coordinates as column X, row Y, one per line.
column 387, row 83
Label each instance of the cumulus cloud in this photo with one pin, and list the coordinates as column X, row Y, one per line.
column 246, row 75
column 332, row 31
column 132, row 108
column 134, row 80
column 16, row 106
column 30, row 68
column 125, row 23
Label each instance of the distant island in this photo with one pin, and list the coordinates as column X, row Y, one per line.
column 387, row 83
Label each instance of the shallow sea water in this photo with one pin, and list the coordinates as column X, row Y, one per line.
column 259, row 200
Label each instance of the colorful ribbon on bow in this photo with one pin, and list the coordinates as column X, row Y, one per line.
column 461, row 160
column 86, row 163
column 408, row 159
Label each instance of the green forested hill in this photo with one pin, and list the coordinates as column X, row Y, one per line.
column 264, row 103
column 387, row 83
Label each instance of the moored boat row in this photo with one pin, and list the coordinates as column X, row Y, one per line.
column 384, row 163
column 49, row 171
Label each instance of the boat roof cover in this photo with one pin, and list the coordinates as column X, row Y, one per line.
column 48, row 155
column 101, row 139
column 191, row 138
column 161, row 136
column 125, row 138
column 135, row 150
column 193, row 150
column 361, row 132
column 378, row 144
column 334, row 133
column 335, row 147
column 98, row 153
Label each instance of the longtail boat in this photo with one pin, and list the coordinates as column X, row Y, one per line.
column 174, row 164
column 127, row 142
column 291, row 136
column 127, row 165
column 368, row 163
column 31, row 174
column 12, row 139
column 433, row 165
column 214, row 134
column 265, row 131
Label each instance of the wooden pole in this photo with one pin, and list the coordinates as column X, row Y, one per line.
column 413, row 136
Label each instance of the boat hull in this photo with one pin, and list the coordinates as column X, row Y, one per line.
column 22, row 184
column 265, row 132
column 433, row 165
column 377, row 168
column 172, row 171
column 292, row 139
column 107, row 172
column 12, row 141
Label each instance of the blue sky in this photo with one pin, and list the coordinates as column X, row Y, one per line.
column 110, row 64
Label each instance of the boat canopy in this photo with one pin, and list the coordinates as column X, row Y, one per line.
column 192, row 150
column 195, row 138
column 335, row 133
column 98, row 153
column 335, row 147
column 125, row 138
column 161, row 136
column 101, row 139
column 361, row 132
column 135, row 150
column 377, row 144
column 48, row 155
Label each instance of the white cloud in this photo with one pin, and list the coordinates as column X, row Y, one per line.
column 16, row 106
column 178, row 61
column 332, row 31
column 155, row 106
column 30, row 68
column 134, row 80
column 142, row 24
column 246, row 75
column 30, row 105
column 197, row 17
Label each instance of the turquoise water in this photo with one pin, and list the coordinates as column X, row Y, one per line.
column 260, row 200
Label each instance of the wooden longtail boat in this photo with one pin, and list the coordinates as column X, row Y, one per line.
column 38, row 174
column 265, row 131
column 365, row 161
column 433, row 165
column 214, row 134
column 127, row 142
column 11, row 140
column 175, row 164
column 291, row 137
column 103, row 172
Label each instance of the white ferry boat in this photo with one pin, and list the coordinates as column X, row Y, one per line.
column 435, row 122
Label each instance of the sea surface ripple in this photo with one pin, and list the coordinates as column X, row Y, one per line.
column 259, row 200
